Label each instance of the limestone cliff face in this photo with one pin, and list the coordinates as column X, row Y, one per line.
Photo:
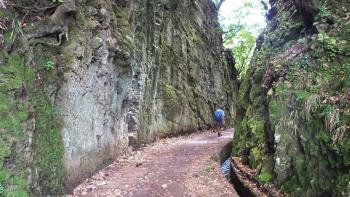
column 293, row 110
column 120, row 69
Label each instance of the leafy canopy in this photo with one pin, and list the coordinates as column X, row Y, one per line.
column 241, row 29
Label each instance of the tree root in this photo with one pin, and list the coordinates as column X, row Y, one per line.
column 60, row 35
column 57, row 23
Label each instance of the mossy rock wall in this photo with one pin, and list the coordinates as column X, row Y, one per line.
column 119, row 69
column 294, row 106
column 185, row 72
column 31, row 142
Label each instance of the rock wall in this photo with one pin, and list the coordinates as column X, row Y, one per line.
column 294, row 107
column 182, row 68
column 90, row 76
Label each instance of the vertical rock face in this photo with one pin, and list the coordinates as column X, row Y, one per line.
column 142, row 68
column 120, row 69
column 293, row 110
column 178, row 67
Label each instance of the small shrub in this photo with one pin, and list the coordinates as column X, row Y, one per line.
column 49, row 65
column 265, row 177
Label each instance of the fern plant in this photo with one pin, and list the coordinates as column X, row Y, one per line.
column 49, row 65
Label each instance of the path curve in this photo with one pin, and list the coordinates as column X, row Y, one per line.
column 181, row 166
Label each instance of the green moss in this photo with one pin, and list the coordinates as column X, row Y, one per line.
column 49, row 148
column 255, row 157
column 172, row 101
column 3, row 13
column 191, row 33
column 265, row 177
column 17, row 79
column 300, row 168
column 48, row 141
column 124, row 28
column 5, row 150
column 4, row 175
column 16, row 194
column 257, row 127
column 13, row 114
column 301, row 105
column 240, row 137
column 293, row 187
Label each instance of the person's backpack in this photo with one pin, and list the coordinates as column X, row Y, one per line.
column 219, row 115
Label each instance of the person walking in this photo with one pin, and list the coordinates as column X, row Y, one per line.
column 219, row 116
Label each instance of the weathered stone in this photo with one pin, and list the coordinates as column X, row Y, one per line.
column 124, row 72
column 96, row 42
column 288, row 104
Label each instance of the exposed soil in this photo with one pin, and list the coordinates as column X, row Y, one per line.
column 181, row 166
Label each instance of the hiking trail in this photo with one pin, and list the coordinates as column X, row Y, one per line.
column 180, row 166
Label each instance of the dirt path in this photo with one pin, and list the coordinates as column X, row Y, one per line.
column 183, row 166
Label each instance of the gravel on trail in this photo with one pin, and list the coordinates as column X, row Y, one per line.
column 179, row 166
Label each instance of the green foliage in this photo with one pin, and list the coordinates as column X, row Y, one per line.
column 329, row 43
column 240, row 35
column 256, row 126
column 322, row 136
column 309, row 107
column 324, row 14
column 265, row 177
column 231, row 31
column 16, row 30
column 255, row 157
column 293, row 187
column 2, row 189
column 242, row 44
column 49, row 65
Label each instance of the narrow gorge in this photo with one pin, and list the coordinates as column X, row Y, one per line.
column 82, row 82
column 83, row 79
